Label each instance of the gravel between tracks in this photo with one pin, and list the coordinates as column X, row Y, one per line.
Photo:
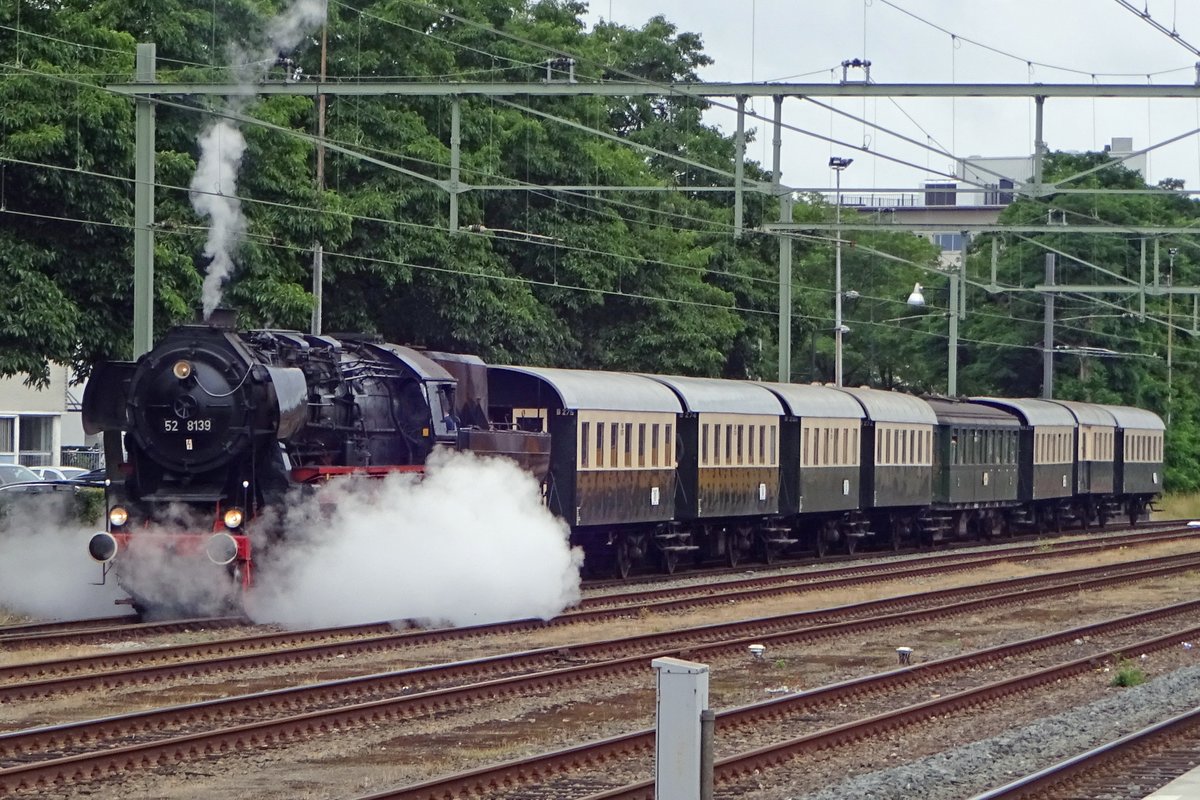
column 965, row 771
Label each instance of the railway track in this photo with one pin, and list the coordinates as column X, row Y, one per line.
column 305, row 711
column 1127, row 769
column 571, row 773
column 44, row 634
column 109, row 671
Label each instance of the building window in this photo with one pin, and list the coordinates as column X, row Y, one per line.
column 8, row 442
column 941, row 194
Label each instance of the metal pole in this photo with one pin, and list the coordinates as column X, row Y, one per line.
column 785, row 249
column 1048, row 333
column 952, row 352
column 318, row 277
column 1039, row 146
column 708, row 727
column 455, row 159
column 739, row 166
column 1142, row 285
column 143, row 207
column 995, row 261
column 1171, row 251
column 837, row 288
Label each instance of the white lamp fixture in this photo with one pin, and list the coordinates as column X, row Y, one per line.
column 916, row 299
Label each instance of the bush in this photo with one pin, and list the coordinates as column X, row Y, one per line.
column 1128, row 674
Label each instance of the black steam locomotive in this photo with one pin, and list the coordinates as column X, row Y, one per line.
column 214, row 427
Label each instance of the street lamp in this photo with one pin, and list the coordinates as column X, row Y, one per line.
column 837, row 165
column 916, row 299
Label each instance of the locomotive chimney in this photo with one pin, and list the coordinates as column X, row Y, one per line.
column 222, row 317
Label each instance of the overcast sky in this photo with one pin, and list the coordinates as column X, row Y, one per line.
column 806, row 41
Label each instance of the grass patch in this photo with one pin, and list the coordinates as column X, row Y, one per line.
column 1178, row 506
column 1128, row 674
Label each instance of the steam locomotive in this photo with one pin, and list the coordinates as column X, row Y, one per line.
column 214, row 427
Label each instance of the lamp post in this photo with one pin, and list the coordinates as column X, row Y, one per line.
column 837, row 165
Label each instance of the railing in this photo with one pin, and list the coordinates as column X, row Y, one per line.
column 85, row 457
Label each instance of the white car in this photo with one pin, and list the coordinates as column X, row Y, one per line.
column 58, row 473
column 16, row 473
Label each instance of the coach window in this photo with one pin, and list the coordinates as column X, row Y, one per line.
column 599, row 444
column 614, row 449
column 641, row 444
column 762, row 444
column 771, row 436
column 837, row 447
column 741, row 440
column 628, row 444
column 654, row 462
column 585, row 442
column 668, row 446
column 729, row 445
column 704, row 445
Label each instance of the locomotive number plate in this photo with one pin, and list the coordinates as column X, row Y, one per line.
column 187, row 425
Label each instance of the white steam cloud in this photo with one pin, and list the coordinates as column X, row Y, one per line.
column 472, row 543
column 214, row 186
column 214, row 195
column 45, row 570
column 286, row 30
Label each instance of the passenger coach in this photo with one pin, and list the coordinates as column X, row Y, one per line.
column 612, row 460
column 821, row 468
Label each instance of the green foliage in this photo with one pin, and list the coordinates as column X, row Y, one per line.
column 646, row 281
column 1128, row 673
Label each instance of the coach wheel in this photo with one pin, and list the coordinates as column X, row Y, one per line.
column 732, row 552
column 851, row 544
column 819, row 544
column 624, row 558
column 898, row 528
column 670, row 560
column 767, row 551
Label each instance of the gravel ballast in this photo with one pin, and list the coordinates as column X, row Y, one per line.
column 977, row 767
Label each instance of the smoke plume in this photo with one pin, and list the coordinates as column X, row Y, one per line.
column 471, row 543
column 214, row 195
column 214, row 186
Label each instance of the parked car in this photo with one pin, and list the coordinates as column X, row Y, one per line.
column 17, row 473
column 59, row 473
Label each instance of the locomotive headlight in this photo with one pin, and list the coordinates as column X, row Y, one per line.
column 182, row 369
column 117, row 516
column 234, row 518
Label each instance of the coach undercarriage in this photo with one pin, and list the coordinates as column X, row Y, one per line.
column 667, row 546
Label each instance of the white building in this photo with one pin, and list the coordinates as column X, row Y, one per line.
column 983, row 188
column 35, row 424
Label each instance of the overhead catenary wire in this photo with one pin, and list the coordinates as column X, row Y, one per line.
column 644, row 208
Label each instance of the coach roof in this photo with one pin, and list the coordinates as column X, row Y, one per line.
column 588, row 390
column 1089, row 413
column 1033, row 412
column 884, row 406
column 807, row 400
column 1130, row 418
column 713, row 395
